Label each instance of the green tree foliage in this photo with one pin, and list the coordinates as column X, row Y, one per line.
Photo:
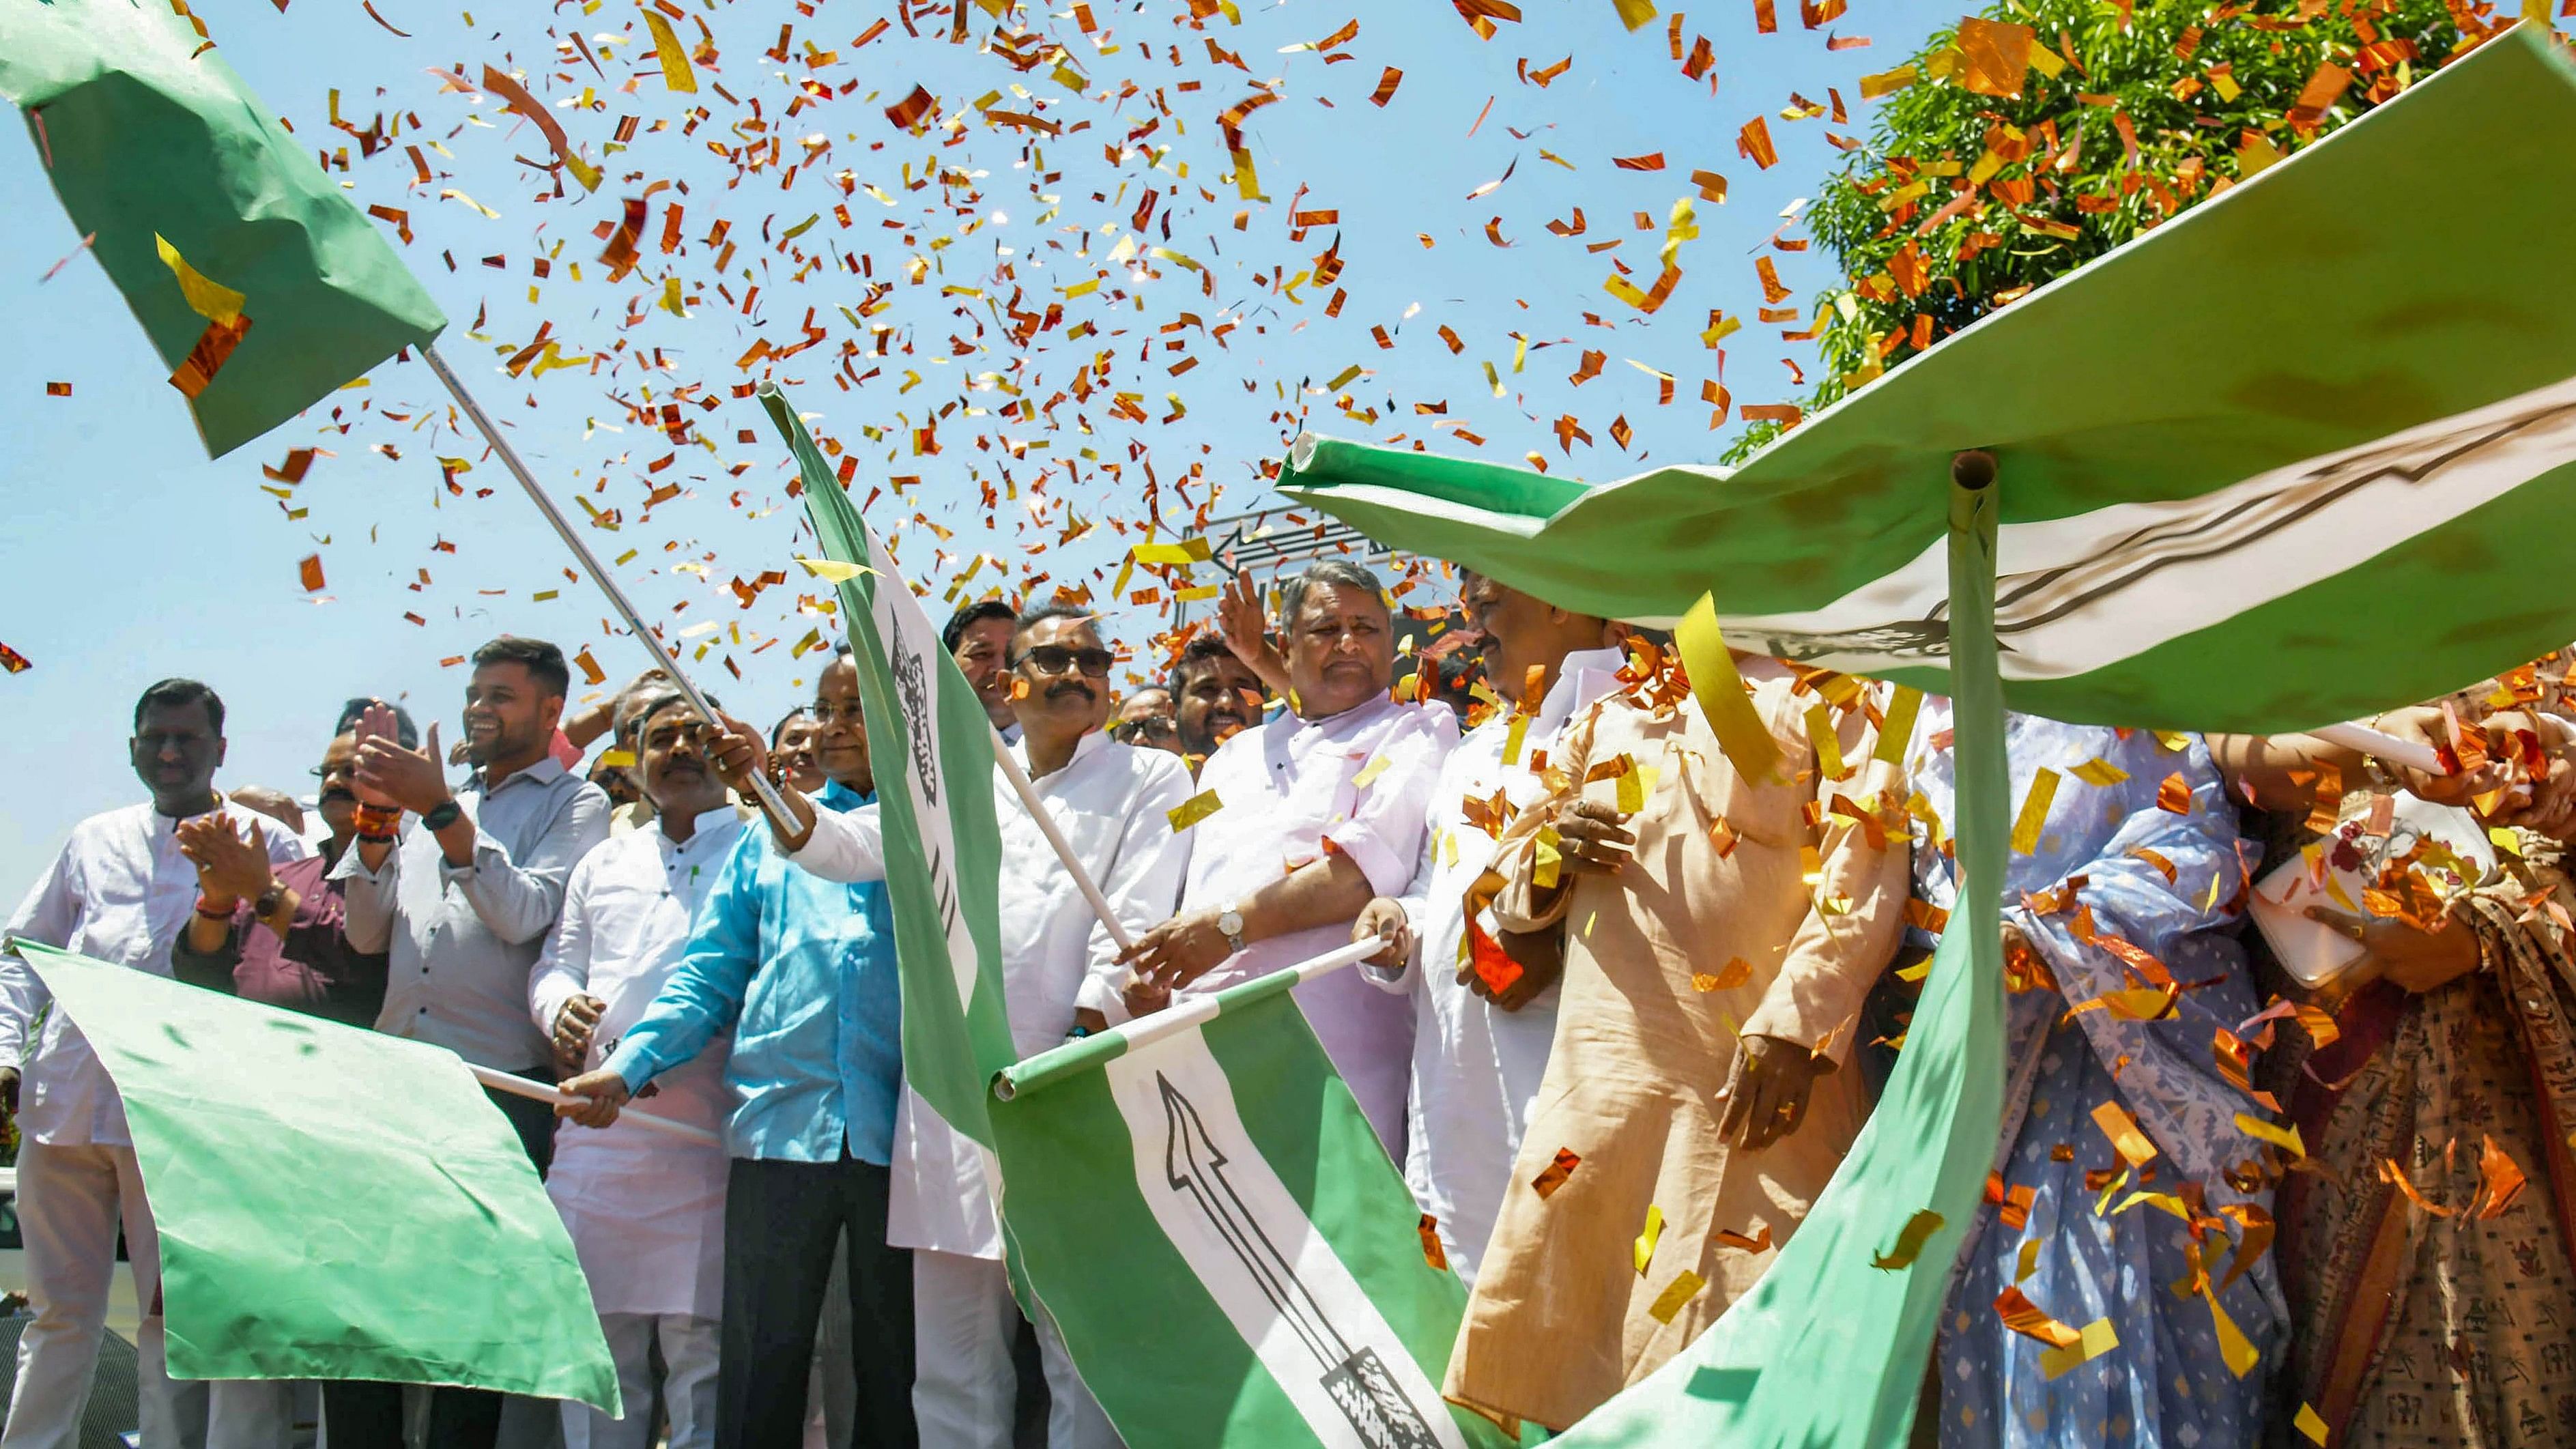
column 1961, row 200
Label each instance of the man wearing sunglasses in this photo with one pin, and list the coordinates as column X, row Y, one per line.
column 1061, row 976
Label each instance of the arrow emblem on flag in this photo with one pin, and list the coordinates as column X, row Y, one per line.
column 1193, row 1163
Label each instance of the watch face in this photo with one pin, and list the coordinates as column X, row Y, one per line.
column 1230, row 922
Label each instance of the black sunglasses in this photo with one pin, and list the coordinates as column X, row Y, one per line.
column 1056, row 659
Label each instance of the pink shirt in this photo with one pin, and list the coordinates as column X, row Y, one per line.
column 1361, row 782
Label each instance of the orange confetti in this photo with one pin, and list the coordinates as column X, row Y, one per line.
column 1996, row 52
column 58, row 389
column 1735, row 973
column 1548, row 1181
column 2500, row 1182
column 2174, row 794
column 2122, row 1129
column 1432, row 1253
column 1754, row 144
column 12, row 661
column 1758, row 1243
column 2031, row 1321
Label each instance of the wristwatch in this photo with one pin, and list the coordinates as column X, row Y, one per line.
column 441, row 817
column 1229, row 919
column 269, row 900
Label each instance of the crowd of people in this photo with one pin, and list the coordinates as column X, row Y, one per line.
column 1628, row 1011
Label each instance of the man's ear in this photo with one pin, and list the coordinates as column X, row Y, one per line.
column 550, row 710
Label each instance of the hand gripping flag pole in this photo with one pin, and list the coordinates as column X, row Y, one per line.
column 509, row 456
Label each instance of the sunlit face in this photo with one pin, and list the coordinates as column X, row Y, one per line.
column 1059, row 677
column 670, row 749
column 1341, row 650
column 175, row 751
column 1221, row 696
column 335, row 797
column 1516, row 629
column 509, row 714
column 840, row 728
column 984, row 656
column 1148, row 718
column 795, row 754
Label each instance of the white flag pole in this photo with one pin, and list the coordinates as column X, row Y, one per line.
column 540, row 1092
column 2386, row 746
column 509, row 456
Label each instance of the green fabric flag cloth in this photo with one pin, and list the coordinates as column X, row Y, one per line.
column 258, row 282
column 1230, row 1254
column 332, row 1204
column 933, row 748
column 2299, row 455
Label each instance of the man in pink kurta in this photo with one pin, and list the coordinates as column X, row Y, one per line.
column 1719, row 936
column 1316, row 812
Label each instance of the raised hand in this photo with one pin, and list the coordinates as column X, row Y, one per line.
column 388, row 774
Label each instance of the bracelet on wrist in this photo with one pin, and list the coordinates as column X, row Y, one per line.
column 212, row 912
column 376, row 823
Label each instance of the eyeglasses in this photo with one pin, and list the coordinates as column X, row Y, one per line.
column 1056, row 659
column 1151, row 727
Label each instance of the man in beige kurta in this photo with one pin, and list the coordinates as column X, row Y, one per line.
column 1744, row 910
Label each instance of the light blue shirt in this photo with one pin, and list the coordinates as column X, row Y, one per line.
column 802, row 971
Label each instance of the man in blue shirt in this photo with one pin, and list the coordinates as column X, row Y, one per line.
column 801, row 972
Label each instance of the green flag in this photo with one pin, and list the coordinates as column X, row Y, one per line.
column 258, row 282
column 933, row 748
column 1210, row 1220
column 2293, row 457
column 1228, row 1252
column 332, row 1204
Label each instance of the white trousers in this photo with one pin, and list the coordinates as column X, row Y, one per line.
column 688, row 1384
column 964, row 1388
column 71, row 1200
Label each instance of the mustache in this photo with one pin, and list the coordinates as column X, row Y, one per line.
column 1071, row 686
column 335, row 792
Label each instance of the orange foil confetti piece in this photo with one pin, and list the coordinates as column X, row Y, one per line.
column 1547, row 1182
column 1996, row 54
column 2031, row 1321
column 13, row 662
column 197, row 371
column 1432, row 1253
column 310, row 571
column 2500, row 1182
column 58, row 389
column 1754, row 144
column 1758, row 1243
column 2174, row 794
column 2126, row 1138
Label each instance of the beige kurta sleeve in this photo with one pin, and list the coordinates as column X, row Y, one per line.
column 1866, row 873
column 1523, row 906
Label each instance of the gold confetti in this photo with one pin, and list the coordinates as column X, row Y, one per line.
column 2034, row 812
column 1193, row 810
column 1644, row 1247
column 1910, row 1239
column 1676, row 1294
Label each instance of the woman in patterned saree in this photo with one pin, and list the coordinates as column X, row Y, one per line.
column 2123, row 1192
column 2428, row 1257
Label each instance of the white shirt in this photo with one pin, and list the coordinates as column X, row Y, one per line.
column 120, row 892
column 1113, row 803
column 645, row 1210
column 1475, row 1069
column 1359, row 781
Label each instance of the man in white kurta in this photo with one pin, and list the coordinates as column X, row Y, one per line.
column 1113, row 803
column 121, row 892
column 645, row 1209
column 1479, row 1054
column 1316, row 813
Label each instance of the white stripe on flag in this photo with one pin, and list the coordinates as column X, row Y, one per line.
column 2076, row 594
column 1306, row 1317
column 912, row 653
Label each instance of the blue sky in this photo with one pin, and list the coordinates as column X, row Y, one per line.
column 129, row 556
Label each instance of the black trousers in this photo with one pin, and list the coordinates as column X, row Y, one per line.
column 471, row 1418
column 781, row 1221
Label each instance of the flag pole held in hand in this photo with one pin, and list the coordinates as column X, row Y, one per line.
column 509, row 456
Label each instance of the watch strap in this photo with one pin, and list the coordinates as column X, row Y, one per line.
column 447, row 813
